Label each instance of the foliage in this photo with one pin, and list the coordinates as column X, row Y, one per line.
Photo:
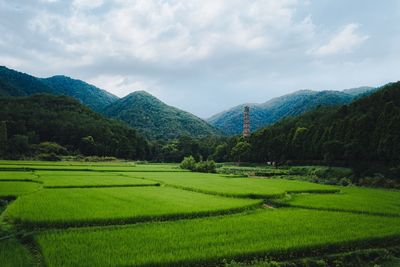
column 230, row 122
column 207, row 166
column 3, row 138
column 14, row 83
column 364, row 134
column 241, row 151
column 155, row 119
column 188, row 163
column 62, row 120
column 90, row 95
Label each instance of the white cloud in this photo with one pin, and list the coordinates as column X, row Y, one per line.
column 344, row 41
column 121, row 85
column 86, row 3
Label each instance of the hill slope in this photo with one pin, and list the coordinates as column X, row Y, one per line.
column 155, row 119
column 14, row 83
column 88, row 94
column 367, row 130
column 230, row 122
column 64, row 120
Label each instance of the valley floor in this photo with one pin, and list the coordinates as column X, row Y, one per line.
column 126, row 214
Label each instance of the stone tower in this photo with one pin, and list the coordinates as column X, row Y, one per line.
column 246, row 122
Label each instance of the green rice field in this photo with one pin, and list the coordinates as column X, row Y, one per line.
column 66, row 207
column 233, row 186
column 130, row 214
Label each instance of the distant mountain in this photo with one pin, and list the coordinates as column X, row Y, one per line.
column 14, row 83
column 361, row 134
column 230, row 122
column 155, row 119
column 88, row 94
column 61, row 119
column 359, row 90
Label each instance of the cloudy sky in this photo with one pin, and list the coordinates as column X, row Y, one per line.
column 205, row 56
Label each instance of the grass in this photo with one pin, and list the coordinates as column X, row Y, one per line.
column 98, row 206
column 210, row 240
column 53, row 179
column 87, row 166
column 13, row 254
column 15, row 175
column 236, row 187
column 355, row 199
column 11, row 189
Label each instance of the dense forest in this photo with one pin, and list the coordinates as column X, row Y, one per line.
column 15, row 83
column 297, row 103
column 155, row 119
column 28, row 124
column 363, row 134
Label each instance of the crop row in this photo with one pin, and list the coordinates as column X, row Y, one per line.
column 284, row 232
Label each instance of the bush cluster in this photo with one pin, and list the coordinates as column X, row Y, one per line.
column 190, row 163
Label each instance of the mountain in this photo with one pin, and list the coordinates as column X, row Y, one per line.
column 230, row 122
column 88, row 94
column 155, row 119
column 363, row 133
column 359, row 90
column 39, row 118
column 14, row 83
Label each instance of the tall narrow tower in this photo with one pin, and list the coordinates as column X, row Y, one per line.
column 246, row 122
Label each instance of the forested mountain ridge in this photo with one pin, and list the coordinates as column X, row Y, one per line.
column 364, row 131
column 63, row 120
column 156, row 119
column 14, row 83
column 230, row 122
column 88, row 94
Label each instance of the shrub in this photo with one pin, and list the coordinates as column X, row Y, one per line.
column 51, row 147
column 48, row 157
column 188, row 163
column 206, row 166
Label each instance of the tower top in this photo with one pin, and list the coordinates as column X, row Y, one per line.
column 246, row 122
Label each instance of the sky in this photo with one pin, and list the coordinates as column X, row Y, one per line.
column 205, row 56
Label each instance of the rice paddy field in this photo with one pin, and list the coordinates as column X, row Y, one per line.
column 129, row 214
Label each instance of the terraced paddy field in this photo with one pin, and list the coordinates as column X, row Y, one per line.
column 127, row 214
column 13, row 189
column 213, row 239
column 353, row 199
column 233, row 186
column 57, row 179
column 78, row 207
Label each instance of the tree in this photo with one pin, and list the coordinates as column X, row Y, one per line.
column 221, row 152
column 18, row 145
column 241, row 151
column 188, row 163
column 3, row 138
column 88, row 146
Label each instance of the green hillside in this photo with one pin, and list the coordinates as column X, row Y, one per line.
column 230, row 122
column 88, row 94
column 363, row 132
column 14, row 83
column 156, row 119
column 39, row 118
